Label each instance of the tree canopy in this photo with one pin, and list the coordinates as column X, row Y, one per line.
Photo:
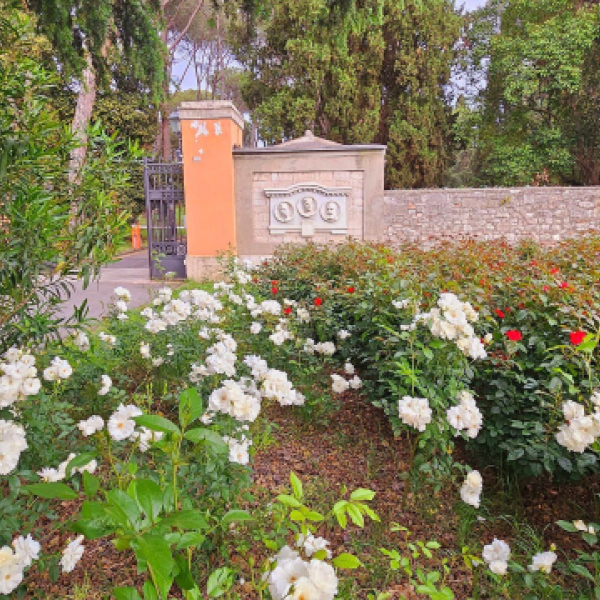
column 535, row 65
column 358, row 72
column 101, row 30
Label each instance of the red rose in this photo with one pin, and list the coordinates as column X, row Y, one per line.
column 564, row 285
column 513, row 335
column 318, row 301
column 288, row 310
column 554, row 271
column 274, row 290
column 499, row 313
column 546, row 288
column 576, row 337
column 351, row 290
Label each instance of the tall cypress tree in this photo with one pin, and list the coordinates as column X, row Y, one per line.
column 357, row 72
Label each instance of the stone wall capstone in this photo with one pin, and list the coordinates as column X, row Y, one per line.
column 545, row 214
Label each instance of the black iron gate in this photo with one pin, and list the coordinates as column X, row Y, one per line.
column 165, row 214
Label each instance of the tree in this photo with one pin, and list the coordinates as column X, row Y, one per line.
column 539, row 59
column 357, row 72
column 52, row 228
column 88, row 37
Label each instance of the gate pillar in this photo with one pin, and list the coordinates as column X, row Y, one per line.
column 209, row 132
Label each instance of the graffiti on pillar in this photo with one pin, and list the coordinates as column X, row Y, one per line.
column 200, row 127
column 308, row 208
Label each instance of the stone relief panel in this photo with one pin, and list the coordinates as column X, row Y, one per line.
column 308, row 209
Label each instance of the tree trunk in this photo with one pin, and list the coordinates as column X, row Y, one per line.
column 83, row 114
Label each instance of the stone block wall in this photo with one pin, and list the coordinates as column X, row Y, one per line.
column 282, row 180
column 546, row 214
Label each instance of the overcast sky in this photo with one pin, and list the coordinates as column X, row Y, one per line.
column 190, row 81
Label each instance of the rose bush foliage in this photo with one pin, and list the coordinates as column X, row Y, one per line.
column 535, row 306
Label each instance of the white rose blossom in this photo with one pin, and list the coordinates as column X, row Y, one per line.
column 72, row 554
column 415, row 412
column 543, row 562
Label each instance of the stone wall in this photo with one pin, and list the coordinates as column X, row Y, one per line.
column 546, row 215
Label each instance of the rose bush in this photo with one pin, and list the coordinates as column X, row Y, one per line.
column 535, row 307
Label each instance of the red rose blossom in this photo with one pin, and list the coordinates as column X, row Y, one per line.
column 576, row 337
column 499, row 313
column 564, row 285
column 288, row 310
column 554, row 271
column 274, row 290
column 318, row 301
column 513, row 335
column 351, row 289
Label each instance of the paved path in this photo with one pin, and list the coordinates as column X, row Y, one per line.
column 130, row 272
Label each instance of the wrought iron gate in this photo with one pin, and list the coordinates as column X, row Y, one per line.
column 165, row 214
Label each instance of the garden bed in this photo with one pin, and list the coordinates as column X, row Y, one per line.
column 351, row 343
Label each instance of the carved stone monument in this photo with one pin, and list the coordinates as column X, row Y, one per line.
column 307, row 189
column 308, row 208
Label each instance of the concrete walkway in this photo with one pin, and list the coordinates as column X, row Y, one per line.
column 130, row 272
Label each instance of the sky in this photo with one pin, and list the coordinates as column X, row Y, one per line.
column 190, row 81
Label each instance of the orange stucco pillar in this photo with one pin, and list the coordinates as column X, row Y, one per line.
column 209, row 131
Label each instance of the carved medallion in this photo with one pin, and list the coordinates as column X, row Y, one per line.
column 331, row 211
column 307, row 207
column 284, row 212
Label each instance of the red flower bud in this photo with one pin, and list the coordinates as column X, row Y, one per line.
column 274, row 290
column 318, row 301
column 287, row 310
column 351, row 290
column 576, row 337
column 499, row 313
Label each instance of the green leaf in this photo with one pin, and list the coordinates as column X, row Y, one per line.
column 149, row 497
column 219, row 582
column 81, row 460
column 288, row 501
column 583, row 571
column 50, row 491
column 296, row 485
column 567, row 526
column 126, row 593
column 346, row 561
column 91, row 484
column 236, row 516
column 190, row 406
column 362, row 494
column 184, row 578
column 149, row 591
column 156, row 423
column 190, row 539
column 126, row 504
column 355, row 514
column 312, row 515
column 213, row 440
column 155, row 551
column 296, row 515
column 185, row 519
